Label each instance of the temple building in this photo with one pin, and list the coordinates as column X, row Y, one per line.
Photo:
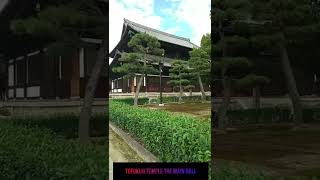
column 40, row 75
column 175, row 47
column 30, row 70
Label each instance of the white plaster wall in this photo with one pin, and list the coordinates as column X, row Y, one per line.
column 20, row 92
column 33, row 91
column 10, row 93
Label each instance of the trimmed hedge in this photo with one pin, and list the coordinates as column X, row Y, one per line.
column 165, row 99
column 269, row 115
column 33, row 153
column 64, row 124
column 4, row 111
column 184, row 99
column 130, row 101
column 171, row 137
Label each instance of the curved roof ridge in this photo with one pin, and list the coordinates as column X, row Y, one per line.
column 162, row 32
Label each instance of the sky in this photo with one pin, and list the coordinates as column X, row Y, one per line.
column 185, row 18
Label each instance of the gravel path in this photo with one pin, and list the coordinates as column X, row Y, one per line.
column 119, row 151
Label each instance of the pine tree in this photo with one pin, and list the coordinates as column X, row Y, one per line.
column 255, row 82
column 62, row 23
column 225, row 14
column 288, row 23
column 200, row 62
column 180, row 76
column 141, row 45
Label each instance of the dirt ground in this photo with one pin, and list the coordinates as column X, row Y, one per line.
column 277, row 148
column 202, row 110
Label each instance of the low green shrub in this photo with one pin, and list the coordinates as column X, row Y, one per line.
column 269, row 115
column 169, row 99
column 171, row 137
column 4, row 111
column 130, row 101
column 64, row 124
column 35, row 153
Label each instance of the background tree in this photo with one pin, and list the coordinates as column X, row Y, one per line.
column 141, row 45
column 180, row 76
column 229, row 69
column 289, row 23
column 61, row 24
column 255, row 82
column 189, row 88
column 225, row 14
column 200, row 62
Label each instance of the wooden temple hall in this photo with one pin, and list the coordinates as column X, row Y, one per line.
column 38, row 75
column 175, row 48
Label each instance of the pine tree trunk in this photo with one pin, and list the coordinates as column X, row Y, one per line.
column 136, row 96
column 222, row 113
column 85, row 114
column 257, row 97
column 180, row 94
column 291, row 83
column 203, row 94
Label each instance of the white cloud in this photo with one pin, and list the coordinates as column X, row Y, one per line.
column 197, row 15
column 173, row 30
column 140, row 11
column 167, row 11
column 173, row 1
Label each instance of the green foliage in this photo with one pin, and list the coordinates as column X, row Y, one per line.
column 39, row 154
column 145, row 44
column 231, row 66
column 229, row 10
column 58, row 22
column 171, row 137
column 179, row 74
column 237, row 45
column 252, row 80
column 131, row 63
column 4, row 111
column 62, row 22
column 64, row 124
column 270, row 115
column 130, row 101
column 200, row 59
column 171, row 99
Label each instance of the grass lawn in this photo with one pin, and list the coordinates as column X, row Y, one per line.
column 198, row 109
column 276, row 147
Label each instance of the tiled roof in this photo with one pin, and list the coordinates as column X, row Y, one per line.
column 160, row 35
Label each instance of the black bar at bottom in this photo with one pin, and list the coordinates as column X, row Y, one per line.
column 165, row 171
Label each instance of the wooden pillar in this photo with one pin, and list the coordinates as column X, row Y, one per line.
column 14, row 78
column 75, row 76
column 27, row 76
